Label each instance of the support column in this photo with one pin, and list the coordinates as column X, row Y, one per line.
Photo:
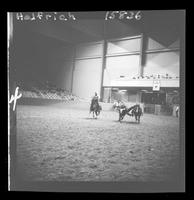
column 144, row 43
column 104, row 48
column 141, row 63
column 73, row 67
column 110, row 100
column 141, row 57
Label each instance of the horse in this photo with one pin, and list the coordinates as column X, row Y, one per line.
column 95, row 108
column 132, row 111
column 137, row 111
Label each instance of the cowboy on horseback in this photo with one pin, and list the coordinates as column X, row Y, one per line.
column 132, row 111
column 94, row 100
column 94, row 106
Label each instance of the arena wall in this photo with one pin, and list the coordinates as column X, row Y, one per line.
column 87, row 73
column 39, row 58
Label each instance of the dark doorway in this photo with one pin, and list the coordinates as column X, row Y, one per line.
column 154, row 98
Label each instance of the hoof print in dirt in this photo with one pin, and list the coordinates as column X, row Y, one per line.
column 70, row 147
column 93, row 166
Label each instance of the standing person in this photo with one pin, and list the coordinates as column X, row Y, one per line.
column 177, row 111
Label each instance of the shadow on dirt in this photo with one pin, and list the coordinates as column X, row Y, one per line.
column 128, row 122
column 90, row 118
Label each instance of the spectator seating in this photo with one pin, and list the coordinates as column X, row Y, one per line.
column 47, row 93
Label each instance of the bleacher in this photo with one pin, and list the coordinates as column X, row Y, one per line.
column 46, row 91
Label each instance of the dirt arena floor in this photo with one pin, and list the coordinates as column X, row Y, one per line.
column 63, row 143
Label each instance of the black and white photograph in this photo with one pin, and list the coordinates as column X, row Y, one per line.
column 96, row 98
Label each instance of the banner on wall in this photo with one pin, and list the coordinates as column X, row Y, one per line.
column 156, row 85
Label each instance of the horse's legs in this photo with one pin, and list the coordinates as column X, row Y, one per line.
column 121, row 115
column 119, row 118
column 136, row 117
column 96, row 114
